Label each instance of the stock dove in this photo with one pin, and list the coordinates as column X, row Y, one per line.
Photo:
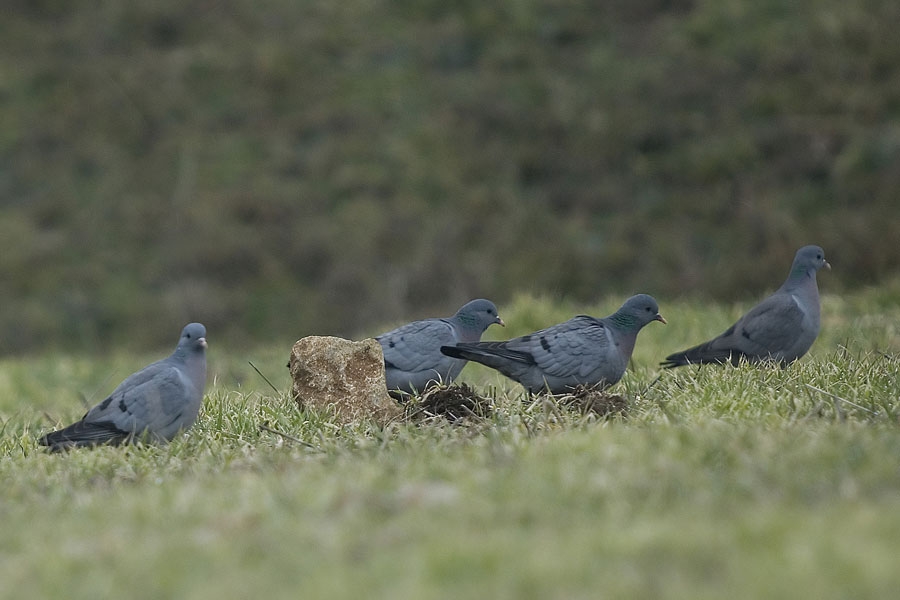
column 781, row 328
column 582, row 351
column 153, row 404
column 412, row 352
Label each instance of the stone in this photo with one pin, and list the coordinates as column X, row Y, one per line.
column 343, row 377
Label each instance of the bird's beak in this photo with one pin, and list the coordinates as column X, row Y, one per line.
column 500, row 322
column 659, row 318
column 202, row 342
column 827, row 265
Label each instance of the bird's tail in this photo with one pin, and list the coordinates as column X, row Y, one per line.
column 702, row 354
column 81, row 434
column 493, row 354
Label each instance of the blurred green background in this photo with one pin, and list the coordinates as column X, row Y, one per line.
column 281, row 168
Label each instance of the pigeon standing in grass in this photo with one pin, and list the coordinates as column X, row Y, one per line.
column 582, row 351
column 781, row 328
column 153, row 404
column 412, row 352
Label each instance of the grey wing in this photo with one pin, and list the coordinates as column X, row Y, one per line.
column 417, row 346
column 770, row 327
column 153, row 399
column 573, row 348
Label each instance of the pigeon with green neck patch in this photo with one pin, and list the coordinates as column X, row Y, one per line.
column 781, row 328
column 582, row 351
column 412, row 353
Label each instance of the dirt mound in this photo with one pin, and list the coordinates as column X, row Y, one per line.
column 592, row 400
column 453, row 402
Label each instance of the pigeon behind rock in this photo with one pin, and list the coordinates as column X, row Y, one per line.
column 582, row 351
column 151, row 405
column 412, row 353
column 781, row 328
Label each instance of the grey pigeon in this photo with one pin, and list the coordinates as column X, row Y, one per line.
column 582, row 351
column 153, row 404
column 781, row 328
column 412, row 353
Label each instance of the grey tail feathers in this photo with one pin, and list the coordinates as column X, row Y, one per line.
column 702, row 355
column 491, row 354
column 82, row 433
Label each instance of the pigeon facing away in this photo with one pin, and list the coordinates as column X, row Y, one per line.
column 412, row 352
column 582, row 351
column 153, row 404
column 781, row 328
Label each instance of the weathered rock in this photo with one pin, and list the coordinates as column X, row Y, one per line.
column 346, row 377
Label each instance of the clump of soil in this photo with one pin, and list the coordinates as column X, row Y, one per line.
column 454, row 403
column 592, row 400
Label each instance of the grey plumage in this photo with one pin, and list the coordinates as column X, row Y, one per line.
column 152, row 404
column 781, row 328
column 412, row 352
column 582, row 351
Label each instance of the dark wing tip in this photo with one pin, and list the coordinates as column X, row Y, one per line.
column 82, row 434
column 678, row 359
column 452, row 351
column 702, row 355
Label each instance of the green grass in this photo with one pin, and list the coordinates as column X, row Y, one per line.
column 744, row 482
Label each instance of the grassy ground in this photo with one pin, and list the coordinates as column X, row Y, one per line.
column 743, row 482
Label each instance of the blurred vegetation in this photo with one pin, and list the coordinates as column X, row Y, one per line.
column 277, row 169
